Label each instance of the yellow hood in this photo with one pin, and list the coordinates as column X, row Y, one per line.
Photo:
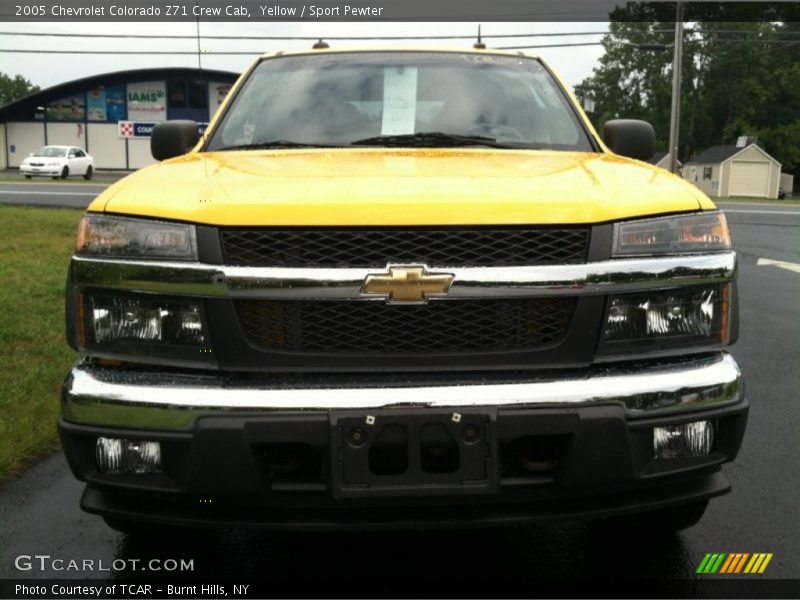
column 399, row 187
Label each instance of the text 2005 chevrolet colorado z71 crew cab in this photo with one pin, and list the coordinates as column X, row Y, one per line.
column 401, row 287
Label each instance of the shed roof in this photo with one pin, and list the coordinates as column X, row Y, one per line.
column 716, row 154
column 659, row 156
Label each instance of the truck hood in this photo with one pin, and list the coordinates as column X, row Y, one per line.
column 399, row 187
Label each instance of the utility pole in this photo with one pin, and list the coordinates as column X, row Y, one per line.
column 677, row 62
column 200, row 70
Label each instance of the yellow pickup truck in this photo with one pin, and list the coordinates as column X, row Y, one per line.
column 403, row 287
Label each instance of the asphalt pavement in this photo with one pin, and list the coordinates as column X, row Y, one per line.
column 39, row 510
column 65, row 195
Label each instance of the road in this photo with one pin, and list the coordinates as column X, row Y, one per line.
column 71, row 195
column 39, row 511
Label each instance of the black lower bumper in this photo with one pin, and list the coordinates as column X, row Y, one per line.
column 457, row 513
column 421, row 467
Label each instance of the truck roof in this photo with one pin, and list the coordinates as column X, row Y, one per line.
column 350, row 49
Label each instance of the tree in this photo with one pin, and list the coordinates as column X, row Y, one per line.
column 739, row 78
column 12, row 88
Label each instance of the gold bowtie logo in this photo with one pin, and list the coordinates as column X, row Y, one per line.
column 407, row 284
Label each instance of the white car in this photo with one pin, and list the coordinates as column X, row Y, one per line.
column 57, row 161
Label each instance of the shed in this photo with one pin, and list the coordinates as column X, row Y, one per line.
column 725, row 171
column 661, row 159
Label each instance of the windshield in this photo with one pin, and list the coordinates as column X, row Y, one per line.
column 353, row 98
column 50, row 151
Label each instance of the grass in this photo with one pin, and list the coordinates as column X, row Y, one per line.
column 35, row 245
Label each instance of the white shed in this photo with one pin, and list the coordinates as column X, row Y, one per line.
column 725, row 171
column 662, row 159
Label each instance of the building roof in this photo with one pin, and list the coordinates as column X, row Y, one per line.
column 716, row 154
column 659, row 156
column 130, row 76
column 719, row 154
column 397, row 48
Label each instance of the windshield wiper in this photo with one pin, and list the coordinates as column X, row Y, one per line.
column 275, row 144
column 430, row 139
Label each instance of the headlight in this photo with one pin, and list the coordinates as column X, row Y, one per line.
column 145, row 325
column 102, row 235
column 702, row 232
column 53, row 164
column 667, row 319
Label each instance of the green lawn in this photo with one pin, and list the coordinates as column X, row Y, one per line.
column 35, row 246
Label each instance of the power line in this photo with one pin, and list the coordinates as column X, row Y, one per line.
column 548, row 46
column 777, row 43
column 301, row 38
column 239, row 52
column 384, row 37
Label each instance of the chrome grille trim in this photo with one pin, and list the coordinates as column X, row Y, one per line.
column 219, row 281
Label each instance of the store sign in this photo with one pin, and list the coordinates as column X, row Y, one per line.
column 216, row 95
column 116, row 109
column 132, row 129
column 71, row 108
column 96, row 104
column 147, row 101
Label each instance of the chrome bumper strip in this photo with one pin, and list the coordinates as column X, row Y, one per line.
column 217, row 281
column 107, row 396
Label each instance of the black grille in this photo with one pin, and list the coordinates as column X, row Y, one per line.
column 443, row 326
column 377, row 247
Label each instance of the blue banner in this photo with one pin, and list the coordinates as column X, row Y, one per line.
column 116, row 109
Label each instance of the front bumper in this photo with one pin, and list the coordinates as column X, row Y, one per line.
column 270, row 451
column 41, row 171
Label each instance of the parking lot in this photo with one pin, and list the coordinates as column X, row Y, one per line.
column 40, row 514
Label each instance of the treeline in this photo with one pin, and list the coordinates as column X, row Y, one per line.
column 739, row 78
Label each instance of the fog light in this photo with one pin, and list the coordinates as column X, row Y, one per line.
column 114, row 455
column 679, row 441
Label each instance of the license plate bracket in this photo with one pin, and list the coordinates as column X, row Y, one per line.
column 407, row 452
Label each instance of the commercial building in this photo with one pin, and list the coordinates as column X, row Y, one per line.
column 110, row 115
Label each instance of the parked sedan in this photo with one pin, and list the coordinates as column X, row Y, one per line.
column 57, row 161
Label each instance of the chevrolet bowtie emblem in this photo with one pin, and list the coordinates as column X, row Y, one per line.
column 407, row 284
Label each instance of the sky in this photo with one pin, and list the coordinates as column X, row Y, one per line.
column 574, row 64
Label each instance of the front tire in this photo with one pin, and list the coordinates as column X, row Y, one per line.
column 64, row 173
column 28, row 176
column 88, row 175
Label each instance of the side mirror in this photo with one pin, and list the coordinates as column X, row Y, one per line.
column 173, row 138
column 629, row 137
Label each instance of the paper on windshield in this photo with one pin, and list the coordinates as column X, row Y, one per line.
column 399, row 100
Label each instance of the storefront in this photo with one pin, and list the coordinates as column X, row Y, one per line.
column 110, row 115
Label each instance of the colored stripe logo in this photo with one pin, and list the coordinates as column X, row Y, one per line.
column 734, row 563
